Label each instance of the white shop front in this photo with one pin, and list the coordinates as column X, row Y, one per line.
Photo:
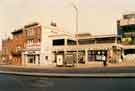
column 31, row 57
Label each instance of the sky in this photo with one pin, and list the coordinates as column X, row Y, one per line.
column 95, row 16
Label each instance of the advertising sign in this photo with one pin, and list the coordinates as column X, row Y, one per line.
column 59, row 60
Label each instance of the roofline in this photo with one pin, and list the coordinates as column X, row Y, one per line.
column 18, row 30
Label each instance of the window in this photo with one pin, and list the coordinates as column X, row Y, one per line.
column 38, row 59
column 38, row 41
column 30, row 32
column 46, row 57
column 38, row 30
column 31, row 59
column 18, row 48
column 58, row 42
column 71, row 42
column 30, row 42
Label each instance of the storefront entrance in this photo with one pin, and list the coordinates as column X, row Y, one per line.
column 31, row 59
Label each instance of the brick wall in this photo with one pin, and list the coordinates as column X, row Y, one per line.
column 12, row 48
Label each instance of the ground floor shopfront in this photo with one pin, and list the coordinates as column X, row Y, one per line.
column 96, row 55
column 85, row 55
column 31, row 57
column 111, row 53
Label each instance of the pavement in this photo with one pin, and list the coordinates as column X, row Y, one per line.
column 81, row 70
column 79, row 66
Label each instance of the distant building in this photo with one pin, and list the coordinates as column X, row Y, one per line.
column 126, row 29
column 6, row 51
column 12, row 48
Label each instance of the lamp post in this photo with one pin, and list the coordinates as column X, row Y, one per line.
column 76, row 34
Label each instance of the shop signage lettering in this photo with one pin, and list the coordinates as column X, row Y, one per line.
column 31, row 52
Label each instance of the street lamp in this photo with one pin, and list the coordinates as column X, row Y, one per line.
column 76, row 34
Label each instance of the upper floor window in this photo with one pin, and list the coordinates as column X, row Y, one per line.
column 71, row 42
column 30, row 42
column 18, row 48
column 38, row 41
column 30, row 32
column 58, row 42
column 38, row 30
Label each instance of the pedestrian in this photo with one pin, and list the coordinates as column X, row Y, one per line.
column 104, row 60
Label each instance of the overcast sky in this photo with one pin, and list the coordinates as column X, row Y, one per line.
column 95, row 16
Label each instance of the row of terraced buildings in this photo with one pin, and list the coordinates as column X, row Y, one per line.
column 36, row 44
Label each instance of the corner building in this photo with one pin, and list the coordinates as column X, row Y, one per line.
column 38, row 47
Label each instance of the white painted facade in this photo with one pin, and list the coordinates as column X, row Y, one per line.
column 46, row 46
column 43, row 51
column 48, row 35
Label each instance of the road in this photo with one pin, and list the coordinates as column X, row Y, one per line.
column 30, row 83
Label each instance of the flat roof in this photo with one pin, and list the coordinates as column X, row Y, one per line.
column 99, row 36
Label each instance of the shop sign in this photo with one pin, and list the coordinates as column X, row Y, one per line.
column 31, row 52
column 126, row 40
column 129, row 34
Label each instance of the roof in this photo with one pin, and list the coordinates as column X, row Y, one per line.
column 18, row 31
column 99, row 36
column 31, row 25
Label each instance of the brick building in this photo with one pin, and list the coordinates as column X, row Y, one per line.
column 22, row 38
column 18, row 42
column 31, row 52
column 6, row 47
column 12, row 47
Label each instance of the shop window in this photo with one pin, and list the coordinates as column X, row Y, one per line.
column 38, row 59
column 31, row 59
